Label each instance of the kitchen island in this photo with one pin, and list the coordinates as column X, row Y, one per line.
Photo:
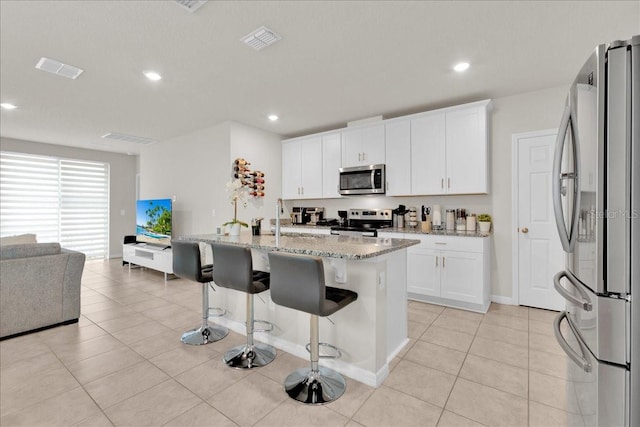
column 370, row 332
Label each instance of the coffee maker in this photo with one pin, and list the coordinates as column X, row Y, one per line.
column 314, row 215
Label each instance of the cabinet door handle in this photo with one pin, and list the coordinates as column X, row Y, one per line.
column 440, row 243
column 364, row 156
column 443, row 262
column 442, row 183
column 448, row 182
column 359, row 157
column 436, row 261
column 301, row 190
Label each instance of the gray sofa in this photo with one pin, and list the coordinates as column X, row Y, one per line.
column 39, row 287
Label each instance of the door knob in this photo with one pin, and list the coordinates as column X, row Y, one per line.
column 525, row 230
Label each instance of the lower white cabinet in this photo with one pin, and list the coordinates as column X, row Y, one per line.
column 153, row 257
column 449, row 270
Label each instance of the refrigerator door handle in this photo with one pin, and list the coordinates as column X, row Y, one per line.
column 579, row 359
column 568, row 236
column 585, row 303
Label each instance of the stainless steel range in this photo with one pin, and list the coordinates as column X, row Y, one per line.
column 365, row 222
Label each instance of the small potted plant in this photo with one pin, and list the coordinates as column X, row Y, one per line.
column 236, row 193
column 484, row 222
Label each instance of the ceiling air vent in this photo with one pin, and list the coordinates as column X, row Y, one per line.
column 127, row 138
column 58, row 68
column 191, row 5
column 262, row 37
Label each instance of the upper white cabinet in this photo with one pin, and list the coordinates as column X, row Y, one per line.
column 439, row 152
column 428, row 151
column 302, row 168
column 466, row 151
column 363, row 145
column 331, row 162
column 433, row 153
column 398, row 157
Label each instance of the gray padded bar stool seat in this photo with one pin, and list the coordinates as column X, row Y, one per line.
column 234, row 270
column 297, row 282
column 187, row 265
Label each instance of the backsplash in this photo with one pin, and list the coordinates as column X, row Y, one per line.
column 476, row 204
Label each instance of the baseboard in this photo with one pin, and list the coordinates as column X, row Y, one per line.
column 502, row 300
column 43, row 328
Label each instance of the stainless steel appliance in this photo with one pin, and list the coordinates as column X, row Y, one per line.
column 365, row 222
column 315, row 215
column 305, row 215
column 596, row 191
column 362, row 180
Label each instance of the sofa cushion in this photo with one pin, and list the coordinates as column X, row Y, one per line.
column 27, row 251
column 21, row 239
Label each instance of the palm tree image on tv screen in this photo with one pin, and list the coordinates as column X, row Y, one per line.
column 153, row 221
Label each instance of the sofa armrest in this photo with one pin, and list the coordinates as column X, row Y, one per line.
column 71, row 284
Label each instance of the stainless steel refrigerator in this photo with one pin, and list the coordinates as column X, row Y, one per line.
column 596, row 191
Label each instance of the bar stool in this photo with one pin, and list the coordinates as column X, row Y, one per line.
column 234, row 270
column 187, row 265
column 297, row 282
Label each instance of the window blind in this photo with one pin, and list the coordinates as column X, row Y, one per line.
column 59, row 200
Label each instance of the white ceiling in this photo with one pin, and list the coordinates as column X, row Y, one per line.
column 337, row 61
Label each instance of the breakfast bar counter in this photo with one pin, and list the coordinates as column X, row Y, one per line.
column 369, row 333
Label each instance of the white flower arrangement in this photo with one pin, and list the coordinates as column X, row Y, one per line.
column 237, row 193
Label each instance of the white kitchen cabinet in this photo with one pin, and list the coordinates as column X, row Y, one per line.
column 449, row 151
column 466, row 151
column 302, row 168
column 428, row 154
column 423, row 271
column 331, row 162
column 398, row 158
column 363, row 145
column 449, row 270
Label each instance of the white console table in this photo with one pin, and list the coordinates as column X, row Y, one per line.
column 149, row 256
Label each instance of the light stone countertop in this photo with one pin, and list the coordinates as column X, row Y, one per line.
column 347, row 247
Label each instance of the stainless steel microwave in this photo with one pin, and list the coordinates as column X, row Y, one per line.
column 362, row 180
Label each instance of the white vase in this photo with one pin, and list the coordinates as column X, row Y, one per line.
column 233, row 229
column 485, row 226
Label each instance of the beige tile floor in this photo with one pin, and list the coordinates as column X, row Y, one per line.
column 123, row 364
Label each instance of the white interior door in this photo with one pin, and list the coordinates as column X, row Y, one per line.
column 539, row 251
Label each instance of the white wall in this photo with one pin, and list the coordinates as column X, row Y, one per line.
column 122, row 174
column 514, row 114
column 196, row 167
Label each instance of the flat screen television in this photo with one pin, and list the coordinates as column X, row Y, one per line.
column 153, row 221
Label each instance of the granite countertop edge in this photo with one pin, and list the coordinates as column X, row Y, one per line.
column 325, row 246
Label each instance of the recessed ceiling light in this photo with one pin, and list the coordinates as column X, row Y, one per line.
column 461, row 66
column 8, row 106
column 152, row 75
column 273, row 117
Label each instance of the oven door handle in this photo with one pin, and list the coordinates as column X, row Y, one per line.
column 585, row 303
column 579, row 359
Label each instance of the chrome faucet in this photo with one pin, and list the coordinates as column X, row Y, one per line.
column 278, row 212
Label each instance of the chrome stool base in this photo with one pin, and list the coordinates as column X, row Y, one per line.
column 324, row 387
column 244, row 357
column 204, row 335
